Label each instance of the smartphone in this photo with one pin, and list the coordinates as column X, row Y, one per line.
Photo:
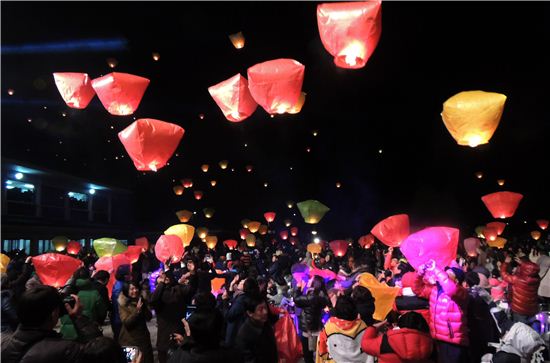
column 190, row 310
column 131, row 353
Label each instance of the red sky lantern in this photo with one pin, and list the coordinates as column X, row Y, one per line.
column 499, row 226
column 366, row 241
column 435, row 243
column 294, row 231
column 169, row 247
column 233, row 98
column 120, row 93
column 111, row 264
column 350, row 31
column 471, row 245
column 187, row 183
column 490, row 233
column 55, row 269
column 543, row 223
column 276, row 84
column 339, row 247
column 243, row 233
column 502, row 204
column 150, row 143
column 75, row 88
column 231, row 243
column 198, row 194
column 283, row 235
column 142, row 242
column 133, row 253
column 73, row 247
column 392, row 230
column 269, row 216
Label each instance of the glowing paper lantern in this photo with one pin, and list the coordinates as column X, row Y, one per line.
column 254, row 226
column 269, row 216
column 178, row 190
column 202, row 232
column 111, row 264
column 184, row 215
column 262, row 230
column 384, row 296
column 75, row 88
column 198, row 194
column 499, row 242
column 231, row 243
column 479, row 231
column 473, row 116
column 471, row 245
column 339, row 247
column 502, row 204
column 288, row 222
column 184, row 231
column 237, row 40
column 436, row 243
column 366, row 241
column 243, row 233
column 234, row 99
column 290, row 204
column 312, row 211
column 283, row 235
column 501, row 182
column 187, row 183
column 169, row 248
column 249, row 168
column 276, row 84
column 535, row 235
column 392, row 230
column 217, row 285
column 59, row 243
column 350, row 31
column 543, row 223
column 142, row 242
column 294, row 231
column 314, row 248
column 213, row 183
column 4, row 262
column 223, row 164
column 204, row 167
column 55, row 269
column 298, row 105
column 490, row 233
column 120, row 93
column 245, row 222
column 108, row 247
column 73, row 248
column 133, row 253
column 150, row 143
column 208, row 212
column 479, row 175
column 211, row 242
column 499, row 226
column 250, row 240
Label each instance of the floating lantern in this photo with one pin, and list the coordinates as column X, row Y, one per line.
column 112, row 62
column 254, row 226
column 500, row 182
column 156, row 56
column 237, row 40
column 133, row 253
column 120, row 93
column 283, row 235
column 473, row 116
column 499, row 242
column 55, row 269
column 187, row 183
column 490, row 233
column 106, row 247
column 314, row 248
column 276, row 84
column 499, row 226
column 213, row 183
column 178, row 190
column 243, row 233
column 250, row 240
column 204, row 167
column 312, row 211
column 202, row 232
column 298, row 105
column 75, row 88
column 437, row 243
column 11, row 91
column 392, row 230
column 262, row 230
column 249, row 168
column 535, row 235
column 543, row 223
column 502, row 204
column 59, row 243
column 234, row 99
column 293, row 240
column 231, row 243
column 269, row 216
column 366, row 241
column 169, row 248
column 339, row 247
column 290, row 204
column 223, row 164
column 287, row 222
column 208, row 212
column 471, row 245
column 338, row 185
column 184, row 215
column 384, row 296
column 479, row 175
column 150, row 143
column 350, row 31
column 245, row 222
column 479, row 231
column 198, row 194
column 142, row 242
column 4, row 262
column 294, row 231
column 211, row 242
column 184, row 231
column 73, row 248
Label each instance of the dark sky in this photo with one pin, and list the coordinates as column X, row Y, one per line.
column 428, row 52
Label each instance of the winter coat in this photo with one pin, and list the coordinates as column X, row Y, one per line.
column 520, row 342
column 497, row 288
column 481, row 324
column 235, row 317
column 544, row 273
column 202, row 355
column 9, row 314
column 312, row 310
column 524, row 285
column 104, row 294
column 340, row 341
column 448, row 308
column 134, row 330
column 117, row 290
column 257, row 343
column 398, row 345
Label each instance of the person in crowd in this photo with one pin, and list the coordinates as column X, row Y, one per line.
column 521, row 344
column 122, row 275
column 9, row 319
column 543, row 261
column 99, row 282
column 390, row 262
column 408, row 301
column 104, row 349
column 134, row 315
column 364, row 302
column 18, row 276
column 236, row 312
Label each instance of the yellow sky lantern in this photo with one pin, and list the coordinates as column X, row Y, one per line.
column 315, row 248
column 213, row 183
column 250, row 240
column 156, row 56
column 184, row 231
column 254, row 226
column 384, row 296
column 479, row 175
column 208, row 212
column 237, row 40
column 499, row 242
column 211, row 241
column 184, row 215
column 501, row 182
column 223, row 164
column 202, row 232
column 245, row 222
column 178, row 190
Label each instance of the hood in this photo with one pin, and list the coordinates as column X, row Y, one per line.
column 522, row 339
column 528, row 269
column 410, row 344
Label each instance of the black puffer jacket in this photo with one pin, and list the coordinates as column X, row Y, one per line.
column 9, row 319
column 312, row 310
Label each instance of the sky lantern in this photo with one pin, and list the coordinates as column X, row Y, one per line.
column 350, row 31
column 290, row 204
column 184, row 215
column 223, row 164
column 75, row 88
column 479, row 231
column 502, row 204
column 314, row 248
column 471, row 245
column 4, row 262
column 204, row 167
column 178, row 189
column 490, row 233
column 213, row 183
column 543, row 223
column 156, row 56
column 245, row 222
column 187, row 183
column 339, row 247
column 392, row 230
column 234, row 99
column 142, row 242
column 254, row 226
column 111, row 264
column 479, row 175
column 231, row 243
column 298, row 105
column 184, row 231
column 276, row 84
column 198, row 194
column 283, row 235
column 499, row 242
column 133, row 253
column 73, row 247
column 535, row 235
column 108, row 247
column 60, row 243
column 499, row 226
column 436, row 243
column 293, row 240
column 473, row 116
column 269, row 216
column 262, row 230
column 250, row 240
column 294, row 231
column 211, row 242
column 249, row 168
column 243, row 233
column 237, row 40
column 120, row 93
column 202, row 232
column 169, row 248
column 384, row 296
column 501, row 182
column 55, row 269
column 366, row 241
column 312, row 211
column 208, row 212
column 150, row 143
column 288, row 222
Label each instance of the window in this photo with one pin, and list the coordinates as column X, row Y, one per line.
column 17, row 244
column 44, row 246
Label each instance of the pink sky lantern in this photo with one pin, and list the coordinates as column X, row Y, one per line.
column 499, row 226
column 75, row 88
column 142, row 242
column 276, row 84
column 502, row 204
column 243, row 233
column 198, row 194
column 471, row 245
column 231, row 243
column 169, row 247
column 269, row 216
column 543, row 223
column 55, row 269
column 283, row 235
column 150, row 143
column 366, row 241
column 339, row 247
column 233, row 98
column 490, row 233
column 392, row 230
column 432, row 243
column 187, row 183
column 350, row 31
column 73, row 247
column 293, row 240
column 133, row 253
column 294, row 231
column 120, row 93
column 111, row 264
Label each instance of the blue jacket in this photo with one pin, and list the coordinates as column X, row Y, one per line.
column 117, row 289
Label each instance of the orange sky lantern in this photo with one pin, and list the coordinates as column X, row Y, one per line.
column 211, row 242
column 262, row 230
column 490, row 233
column 184, row 231
column 184, row 215
column 237, row 40
column 392, row 230
column 223, row 164
column 298, row 105
column 535, row 235
column 471, row 245
column 243, row 233
column 233, row 98
column 178, row 190
column 254, row 226
column 75, row 88
column 501, row 182
column 499, row 242
column 202, row 232
column 294, row 231
column 502, row 204
column 120, row 93
column 213, row 183
column 204, row 167
column 250, row 240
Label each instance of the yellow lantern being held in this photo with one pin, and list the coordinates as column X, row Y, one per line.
column 237, row 40
column 184, row 215
column 223, row 164
column 535, row 235
column 184, row 231
column 250, row 240
column 202, row 232
column 208, row 212
column 60, row 243
column 254, row 226
column 178, row 190
column 211, row 241
column 4, row 262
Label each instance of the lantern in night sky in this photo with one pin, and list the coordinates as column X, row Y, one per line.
column 73, row 248
column 178, row 190
column 254, row 226
column 211, row 242
column 237, row 40
column 501, row 182
column 120, row 93
column 288, row 222
column 202, row 232
column 499, row 226
column 392, row 230
column 479, row 231
column 502, row 204
column 366, row 241
column 269, row 216
column 499, row 242
column 150, row 143
column 108, row 247
column 262, row 230
column 204, row 167
column 75, row 88
column 187, row 183
column 223, row 164
column 249, row 168
column 535, row 235
column 542, row 223
column 169, row 248
column 234, row 99
column 198, row 194
column 213, row 183
column 312, row 211
column 437, row 243
column 490, row 233
column 208, row 212
column 471, row 245
column 59, row 243
column 250, row 240
column 276, row 84
column 339, row 247
column 350, row 31
column 298, row 105
column 133, row 253
column 473, row 116
column 55, row 269
column 290, row 204
column 479, row 175
column 294, row 231
column 184, row 215
column 142, row 242
column 245, row 222
column 230, row 243
column 283, row 235
column 243, row 233
column 184, row 231
column 314, row 248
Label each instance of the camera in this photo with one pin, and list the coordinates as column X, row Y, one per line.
column 130, row 353
column 190, row 310
column 67, row 299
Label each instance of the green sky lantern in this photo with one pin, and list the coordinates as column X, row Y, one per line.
column 312, row 211
column 105, row 247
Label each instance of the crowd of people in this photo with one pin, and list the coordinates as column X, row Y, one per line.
column 488, row 308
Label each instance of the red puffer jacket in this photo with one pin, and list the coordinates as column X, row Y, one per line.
column 524, row 285
column 402, row 345
column 448, row 308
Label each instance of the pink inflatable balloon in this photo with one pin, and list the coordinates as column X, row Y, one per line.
column 435, row 243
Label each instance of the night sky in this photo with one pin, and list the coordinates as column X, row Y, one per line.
column 428, row 52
